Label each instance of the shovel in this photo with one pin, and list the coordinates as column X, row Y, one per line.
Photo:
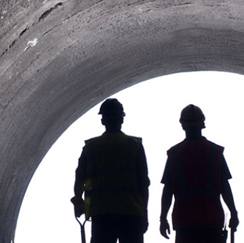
column 82, row 230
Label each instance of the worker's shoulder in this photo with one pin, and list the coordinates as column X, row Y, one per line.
column 135, row 139
column 216, row 146
column 90, row 140
column 116, row 136
column 201, row 142
column 174, row 148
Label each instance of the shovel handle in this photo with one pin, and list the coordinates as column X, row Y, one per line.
column 82, row 229
column 232, row 235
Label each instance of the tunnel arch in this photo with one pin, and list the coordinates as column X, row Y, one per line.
column 58, row 59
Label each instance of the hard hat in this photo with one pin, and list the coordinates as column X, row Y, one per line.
column 192, row 116
column 111, row 107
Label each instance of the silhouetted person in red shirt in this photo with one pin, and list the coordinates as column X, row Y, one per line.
column 196, row 174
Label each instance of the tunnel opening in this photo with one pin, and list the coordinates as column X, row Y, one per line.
column 152, row 112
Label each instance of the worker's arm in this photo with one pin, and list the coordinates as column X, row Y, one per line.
column 80, row 177
column 79, row 187
column 165, row 205
column 77, row 199
column 143, row 183
column 229, row 200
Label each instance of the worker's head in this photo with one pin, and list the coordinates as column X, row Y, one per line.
column 112, row 113
column 192, row 118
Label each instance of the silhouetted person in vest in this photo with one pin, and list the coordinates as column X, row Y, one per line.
column 113, row 174
column 196, row 174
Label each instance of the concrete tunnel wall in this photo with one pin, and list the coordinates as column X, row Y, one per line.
column 60, row 58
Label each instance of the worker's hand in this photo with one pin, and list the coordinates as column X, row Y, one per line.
column 164, row 229
column 78, row 206
column 234, row 221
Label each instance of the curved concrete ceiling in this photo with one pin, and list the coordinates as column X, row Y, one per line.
column 60, row 58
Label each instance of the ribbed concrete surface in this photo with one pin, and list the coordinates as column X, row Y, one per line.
column 59, row 58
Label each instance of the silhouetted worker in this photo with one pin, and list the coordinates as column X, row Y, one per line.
column 196, row 174
column 113, row 173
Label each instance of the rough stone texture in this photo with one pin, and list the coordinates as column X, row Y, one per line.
column 60, row 58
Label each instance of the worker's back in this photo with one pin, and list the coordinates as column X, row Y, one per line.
column 112, row 185
column 197, row 168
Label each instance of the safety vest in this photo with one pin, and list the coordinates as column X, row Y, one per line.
column 111, row 186
column 196, row 178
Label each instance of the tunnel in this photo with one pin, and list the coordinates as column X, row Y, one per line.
column 60, row 58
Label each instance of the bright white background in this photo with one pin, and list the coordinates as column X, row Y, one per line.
column 152, row 112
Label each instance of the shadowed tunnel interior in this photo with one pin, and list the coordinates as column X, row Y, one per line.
column 60, row 58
